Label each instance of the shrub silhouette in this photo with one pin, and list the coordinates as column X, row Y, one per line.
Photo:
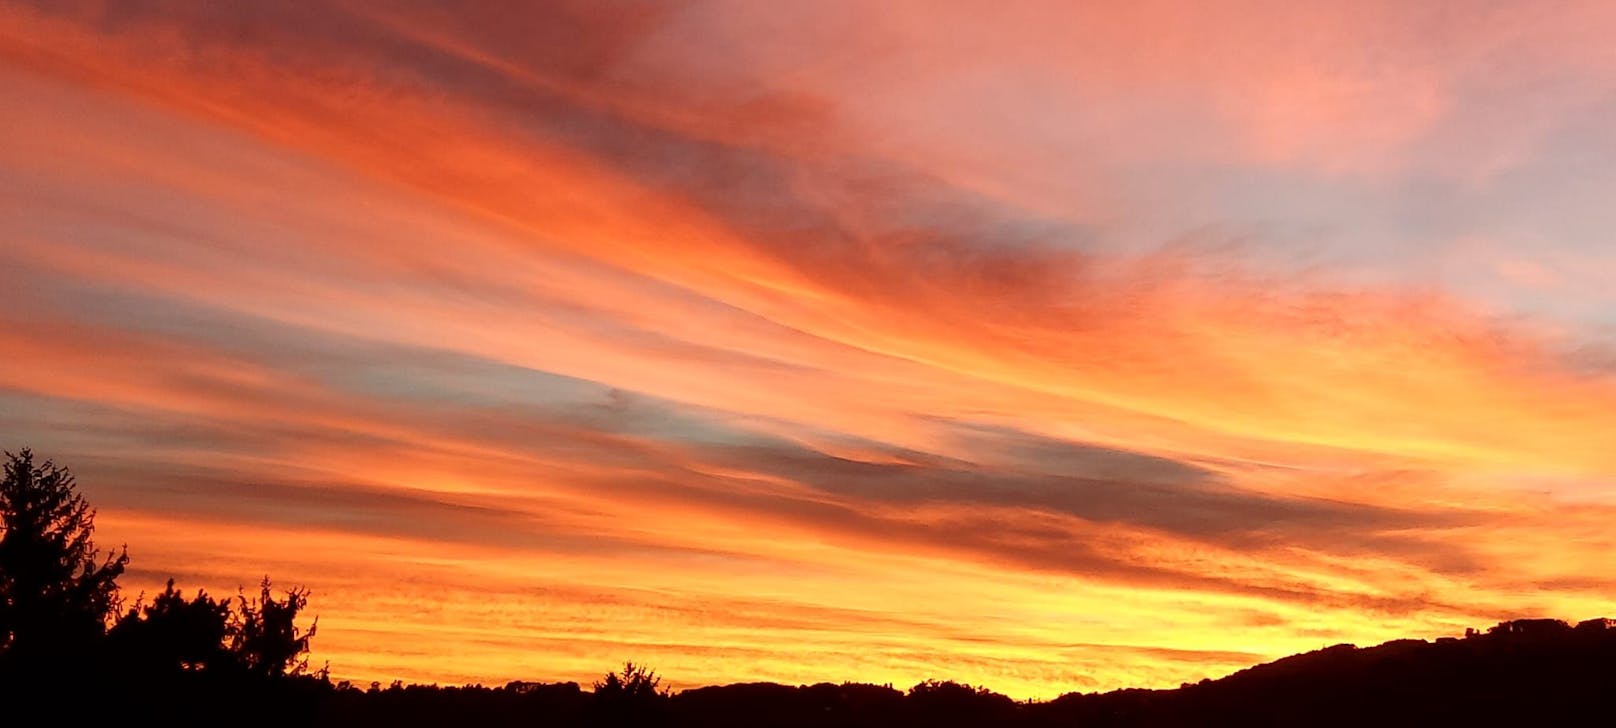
column 56, row 590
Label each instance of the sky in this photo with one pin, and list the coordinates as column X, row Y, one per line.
column 1047, row 346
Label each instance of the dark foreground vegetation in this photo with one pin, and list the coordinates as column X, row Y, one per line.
column 72, row 652
column 1523, row 673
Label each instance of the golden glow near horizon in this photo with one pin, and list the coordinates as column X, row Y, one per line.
column 1062, row 350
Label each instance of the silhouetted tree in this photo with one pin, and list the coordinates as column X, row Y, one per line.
column 265, row 638
column 629, row 698
column 947, row 702
column 637, row 682
column 174, row 634
column 56, row 590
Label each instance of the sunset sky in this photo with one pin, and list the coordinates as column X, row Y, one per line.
column 1047, row 346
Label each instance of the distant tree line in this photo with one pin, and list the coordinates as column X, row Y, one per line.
column 73, row 652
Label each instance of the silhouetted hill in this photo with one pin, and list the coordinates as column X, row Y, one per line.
column 1527, row 672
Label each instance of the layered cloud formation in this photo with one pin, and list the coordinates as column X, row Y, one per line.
column 1040, row 347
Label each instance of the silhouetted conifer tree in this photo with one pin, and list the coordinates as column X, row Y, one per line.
column 56, row 589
